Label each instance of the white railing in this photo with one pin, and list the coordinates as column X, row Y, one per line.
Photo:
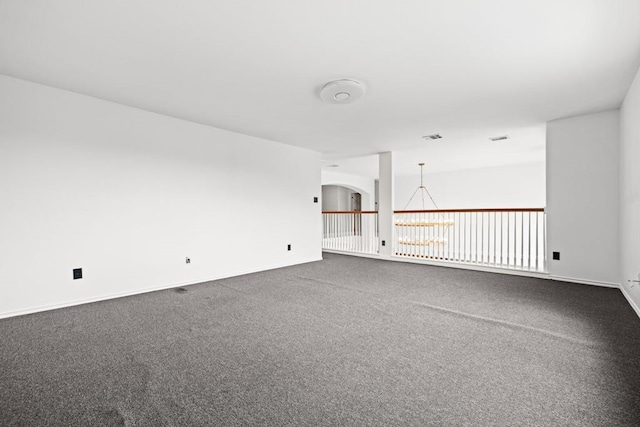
column 504, row 238
column 350, row 231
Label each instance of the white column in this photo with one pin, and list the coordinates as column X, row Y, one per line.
column 582, row 198
column 385, row 204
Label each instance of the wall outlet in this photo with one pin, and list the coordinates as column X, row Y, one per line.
column 188, row 260
column 556, row 256
column 77, row 273
column 315, row 200
column 289, row 247
column 384, row 243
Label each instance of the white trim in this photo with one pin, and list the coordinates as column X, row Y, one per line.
column 143, row 291
column 584, row 281
column 359, row 254
column 631, row 301
column 486, row 269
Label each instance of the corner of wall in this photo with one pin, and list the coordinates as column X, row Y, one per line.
column 629, row 195
column 582, row 197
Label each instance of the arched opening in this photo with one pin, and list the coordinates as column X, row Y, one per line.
column 345, row 198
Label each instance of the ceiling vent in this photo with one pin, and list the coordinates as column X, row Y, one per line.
column 499, row 138
column 432, row 137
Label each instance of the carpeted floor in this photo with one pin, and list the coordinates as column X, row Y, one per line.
column 344, row 341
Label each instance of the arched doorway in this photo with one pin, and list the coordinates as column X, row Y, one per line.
column 337, row 197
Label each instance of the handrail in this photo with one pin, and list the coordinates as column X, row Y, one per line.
column 349, row 212
column 474, row 210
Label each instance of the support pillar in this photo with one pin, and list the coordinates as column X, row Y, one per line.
column 385, row 204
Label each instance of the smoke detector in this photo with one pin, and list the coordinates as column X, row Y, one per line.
column 343, row 91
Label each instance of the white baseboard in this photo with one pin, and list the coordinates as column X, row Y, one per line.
column 486, row 269
column 143, row 291
column 361, row 255
column 584, row 281
column 632, row 303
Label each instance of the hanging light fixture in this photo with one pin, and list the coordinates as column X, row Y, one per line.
column 422, row 220
column 423, row 190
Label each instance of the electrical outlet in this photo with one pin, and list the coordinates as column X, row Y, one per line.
column 315, row 200
column 288, row 247
column 556, row 256
column 384, row 243
column 188, row 260
column 77, row 273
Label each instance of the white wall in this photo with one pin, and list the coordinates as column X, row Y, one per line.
column 386, row 185
column 336, row 198
column 359, row 184
column 512, row 186
column 582, row 197
column 127, row 195
column 629, row 175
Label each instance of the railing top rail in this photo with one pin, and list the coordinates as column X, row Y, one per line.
column 474, row 210
column 349, row 212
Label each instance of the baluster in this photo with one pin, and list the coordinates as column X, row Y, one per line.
column 537, row 259
column 475, row 243
column 495, row 246
column 529, row 241
column 357, row 230
column 501, row 238
column 521, row 239
column 508, row 238
column 465, row 238
column 458, row 229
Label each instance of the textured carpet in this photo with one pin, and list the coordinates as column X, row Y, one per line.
column 344, row 341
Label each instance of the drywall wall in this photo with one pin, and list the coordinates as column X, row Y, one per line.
column 582, row 197
column 127, row 195
column 363, row 185
column 510, row 186
column 629, row 175
column 336, row 198
column 386, row 203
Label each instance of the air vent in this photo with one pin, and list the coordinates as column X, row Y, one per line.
column 499, row 138
column 432, row 137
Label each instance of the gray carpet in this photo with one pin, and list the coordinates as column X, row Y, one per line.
column 344, row 341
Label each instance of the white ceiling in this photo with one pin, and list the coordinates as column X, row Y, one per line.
column 462, row 150
column 467, row 69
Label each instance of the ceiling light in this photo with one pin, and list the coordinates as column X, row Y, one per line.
column 343, row 91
